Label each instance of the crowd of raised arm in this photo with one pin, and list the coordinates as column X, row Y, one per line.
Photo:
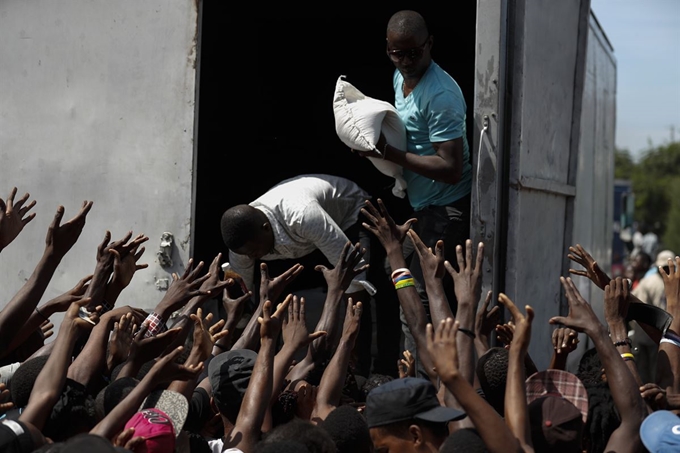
column 121, row 378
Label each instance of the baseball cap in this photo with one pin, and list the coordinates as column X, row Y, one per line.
column 556, row 425
column 15, row 437
column 229, row 374
column 155, row 426
column 663, row 257
column 160, row 420
column 558, row 383
column 660, row 432
column 407, row 399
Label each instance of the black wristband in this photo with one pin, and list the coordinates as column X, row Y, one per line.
column 220, row 346
column 467, row 332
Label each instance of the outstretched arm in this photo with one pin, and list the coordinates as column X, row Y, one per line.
column 60, row 238
column 492, row 429
column 164, row 370
column 516, row 410
column 624, row 389
column 247, row 430
column 333, row 379
column 392, row 236
column 668, row 362
column 270, row 289
column 616, row 303
column 13, row 217
column 50, row 382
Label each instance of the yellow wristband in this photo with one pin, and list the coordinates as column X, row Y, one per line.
column 405, row 283
column 627, row 355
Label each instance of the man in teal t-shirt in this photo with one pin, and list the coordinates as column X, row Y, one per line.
column 436, row 162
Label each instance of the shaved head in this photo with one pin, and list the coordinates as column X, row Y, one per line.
column 407, row 22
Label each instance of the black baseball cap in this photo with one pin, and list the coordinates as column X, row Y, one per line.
column 229, row 374
column 407, row 399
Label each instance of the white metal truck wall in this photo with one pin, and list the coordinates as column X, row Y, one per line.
column 97, row 103
column 593, row 205
column 545, row 60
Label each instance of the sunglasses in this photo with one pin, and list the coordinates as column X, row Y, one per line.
column 413, row 53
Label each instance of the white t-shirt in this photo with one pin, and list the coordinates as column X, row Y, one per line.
column 306, row 213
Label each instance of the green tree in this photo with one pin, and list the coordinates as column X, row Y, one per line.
column 671, row 237
column 655, row 184
column 623, row 164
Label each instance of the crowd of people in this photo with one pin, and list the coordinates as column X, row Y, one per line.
column 116, row 378
column 180, row 379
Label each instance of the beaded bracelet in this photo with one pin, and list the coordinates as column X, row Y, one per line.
column 624, row 342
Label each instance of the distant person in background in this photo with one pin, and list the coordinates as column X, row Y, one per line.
column 650, row 290
column 640, row 264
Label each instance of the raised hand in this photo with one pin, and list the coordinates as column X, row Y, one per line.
column 581, row 316
column 120, row 341
column 468, row 278
column 166, row 369
column 407, row 365
column 184, row 288
column 60, row 238
column 13, row 217
column 432, row 263
column 564, row 340
column 204, row 336
column 486, row 320
column 84, row 324
column 234, row 307
column 505, row 332
column 592, row 270
column 295, row 332
column 441, row 345
column 5, row 403
column 522, row 333
column 654, row 396
column 345, row 270
column 382, row 225
column 46, row 329
column 145, row 349
column 352, row 322
column 616, row 301
column 671, row 282
column 127, row 440
column 270, row 324
column 272, row 288
column 124, row 268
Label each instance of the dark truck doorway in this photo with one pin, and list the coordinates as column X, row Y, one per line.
column 265, row 105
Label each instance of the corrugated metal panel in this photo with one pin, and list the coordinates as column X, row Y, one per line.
column 98, row 104
column 593, row 214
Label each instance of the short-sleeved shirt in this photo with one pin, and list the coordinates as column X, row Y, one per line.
column 306, row 213
column 434, row 111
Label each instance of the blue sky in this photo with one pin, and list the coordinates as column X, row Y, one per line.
column 645, row 35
